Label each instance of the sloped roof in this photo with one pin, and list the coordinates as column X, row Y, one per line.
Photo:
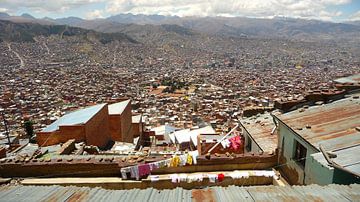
column 118, row 108
column 77, row 117
column 260, row 128
column 332, row 125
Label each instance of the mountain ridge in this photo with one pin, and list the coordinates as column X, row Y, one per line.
column 277, row 27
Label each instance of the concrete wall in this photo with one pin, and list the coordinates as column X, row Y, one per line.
column 97, row 129
column 317, row 173
column 294, row 172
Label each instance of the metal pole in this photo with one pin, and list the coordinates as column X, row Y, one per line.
column 232, row 130
column 5, row 125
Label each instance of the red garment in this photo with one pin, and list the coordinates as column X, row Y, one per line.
column 221, row 177
column 144, row 170
column 235, row 142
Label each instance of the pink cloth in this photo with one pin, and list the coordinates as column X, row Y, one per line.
column 235, row 142
column 144, row 170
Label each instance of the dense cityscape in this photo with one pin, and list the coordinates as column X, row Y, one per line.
column 152, row 107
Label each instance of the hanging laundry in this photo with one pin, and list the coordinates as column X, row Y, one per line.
column 168, row 161
column 212, row 177
column 124, row 172
column 235, row 142
column 134, row 171
column 221, row 177
column 265, row 173
column 154, row 178
column 194, row 155
column 238, row 174
column 174, row 178
column 225, row 143
column 144, row 170
column 183, row 159
column 189, row 159
column 175, row 161
column 183, row 177
column 154, row 165
column 162, row 164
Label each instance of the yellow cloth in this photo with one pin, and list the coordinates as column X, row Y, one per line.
column 189, row 159
column 175, row 161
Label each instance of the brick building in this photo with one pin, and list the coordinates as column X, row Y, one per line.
column 90, row 125
column 137, row 125
column 121, row 121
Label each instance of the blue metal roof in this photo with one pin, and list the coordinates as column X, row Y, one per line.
column 80, row 116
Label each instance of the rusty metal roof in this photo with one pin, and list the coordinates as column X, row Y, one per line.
column 231, row 193
column 334, row 125
column 260, row 127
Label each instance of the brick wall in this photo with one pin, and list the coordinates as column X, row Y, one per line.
column 46, row 139
column 115, row 127
column 136, row 129
column 126, row 125
column 121, row 126
column 97, row 130
column 94, row 132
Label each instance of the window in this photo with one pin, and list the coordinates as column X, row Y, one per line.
column 300, row 154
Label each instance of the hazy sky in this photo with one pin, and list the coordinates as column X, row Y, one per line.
column 333, row 10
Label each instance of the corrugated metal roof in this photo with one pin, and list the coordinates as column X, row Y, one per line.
column 260, row 128
column 350, row 79
column 80, row 116
column 348, row 159
column 118, row 108
column 332, row 125
column 231, row 193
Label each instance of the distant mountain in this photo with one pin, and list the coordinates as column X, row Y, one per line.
column 26, row 15
column 25, row 32
column 353, row 22
column 140, row 19
column 4, row 15
column 269, row 28
column 26, row 18
column 73, row 21
column 278, row 27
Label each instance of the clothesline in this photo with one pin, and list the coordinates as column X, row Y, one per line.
column 139, row 171
column 214, row 177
